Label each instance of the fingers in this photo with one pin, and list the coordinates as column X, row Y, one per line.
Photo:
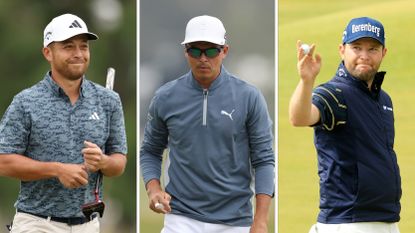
column 92, row 156
column 166, row 202
column 76, row 184
column 308, row 64
column 92, row 153
column 159, row 206
column 92, row 161
column 160, row 203
column 301, row 55
column 312, row 48
column 91, row 150
column 89, row 144
column 308, row 59
column 81, row 177
column 73, row 175
column 81, row 180
column 91, row 167
column 299, row 50
column 318, row 59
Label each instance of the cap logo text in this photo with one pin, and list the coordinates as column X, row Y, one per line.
column 366, row 27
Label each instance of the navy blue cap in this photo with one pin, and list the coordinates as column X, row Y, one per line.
column 364, row 27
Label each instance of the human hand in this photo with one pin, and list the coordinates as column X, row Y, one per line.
column 308, row 66
column 93, row 157
column 263, row 202
column 72, row 175
column 159, row 201
column 259, row 228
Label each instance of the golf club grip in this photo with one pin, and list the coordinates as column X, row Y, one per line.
column 109, row 83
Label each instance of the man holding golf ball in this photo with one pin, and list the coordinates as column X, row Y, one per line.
column 219, row 135
column 352, row 117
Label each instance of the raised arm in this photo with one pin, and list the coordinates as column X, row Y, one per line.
column 301, row 110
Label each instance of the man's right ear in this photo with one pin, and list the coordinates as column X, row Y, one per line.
column 341, row 50
column 47, row 53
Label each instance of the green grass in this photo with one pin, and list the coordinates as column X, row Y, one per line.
column 322, row 22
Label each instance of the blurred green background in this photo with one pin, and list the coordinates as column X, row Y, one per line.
column 250, row 34
column 322, row 22
column 22, row 65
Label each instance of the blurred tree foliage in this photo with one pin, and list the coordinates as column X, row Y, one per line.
column 22, row 64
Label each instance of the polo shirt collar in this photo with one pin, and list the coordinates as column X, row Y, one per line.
column 343, row 75
column 59, row 91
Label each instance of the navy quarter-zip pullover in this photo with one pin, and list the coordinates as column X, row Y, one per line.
column 357, row 164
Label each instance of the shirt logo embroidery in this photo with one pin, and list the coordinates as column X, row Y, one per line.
column 341, row 73
column 387, row 108
column 223, row 112
column 94, row 116
column 149, row 117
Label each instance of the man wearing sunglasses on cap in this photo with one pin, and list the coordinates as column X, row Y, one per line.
column 219, row 135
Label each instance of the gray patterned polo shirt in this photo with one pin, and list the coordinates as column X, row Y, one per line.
column 42, row 124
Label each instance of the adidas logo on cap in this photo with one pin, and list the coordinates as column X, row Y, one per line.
column 75, row 24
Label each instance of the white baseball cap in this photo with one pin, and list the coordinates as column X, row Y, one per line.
column 205, row 28
column 64, row 27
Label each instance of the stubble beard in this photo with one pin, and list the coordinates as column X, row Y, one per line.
column 72, row 73
column 365, row 76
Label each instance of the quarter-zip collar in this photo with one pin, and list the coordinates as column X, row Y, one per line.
column 342, row 75
column 206, row 92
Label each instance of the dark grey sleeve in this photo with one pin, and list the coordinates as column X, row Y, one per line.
column 259, row 127
column 154, row 142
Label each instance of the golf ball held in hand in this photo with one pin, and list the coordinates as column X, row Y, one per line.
column 305, row 48
column 159, row 206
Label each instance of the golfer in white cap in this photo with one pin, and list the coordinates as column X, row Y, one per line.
column 58, row 134
column 219, row 136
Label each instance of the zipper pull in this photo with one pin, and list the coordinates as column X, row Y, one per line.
column 205, row 104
